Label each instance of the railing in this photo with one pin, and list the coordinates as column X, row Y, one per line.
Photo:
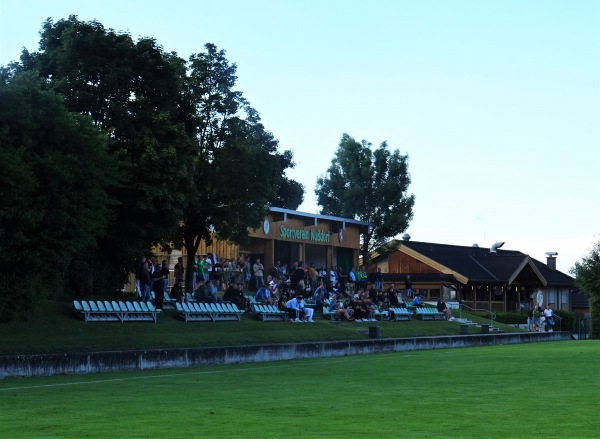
column 555, row 316
column 492, row 314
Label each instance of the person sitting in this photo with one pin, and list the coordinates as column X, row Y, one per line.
column 416, row 302
column 368, row 308
column 212, row 293
column 177, row 294
column 442, row 307
column 263, row 296
column 201, row 292
column 232, row 295
column 292, row 306
column 340, row 312
column 282, row 301
column 307, row 312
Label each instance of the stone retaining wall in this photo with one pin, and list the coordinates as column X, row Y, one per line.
column 112, row 361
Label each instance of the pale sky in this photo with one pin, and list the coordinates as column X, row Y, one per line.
column 496, row 102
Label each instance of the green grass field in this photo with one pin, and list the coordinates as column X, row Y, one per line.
column 545, row 390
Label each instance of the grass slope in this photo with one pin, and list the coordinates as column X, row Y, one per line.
column 544, row 390
column 56, row 329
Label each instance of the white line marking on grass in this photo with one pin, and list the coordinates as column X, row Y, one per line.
column 203, row 372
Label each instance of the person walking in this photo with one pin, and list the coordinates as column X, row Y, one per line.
column 535, row 317
column 549, row 315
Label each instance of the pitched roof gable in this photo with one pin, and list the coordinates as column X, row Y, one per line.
column 478, row 264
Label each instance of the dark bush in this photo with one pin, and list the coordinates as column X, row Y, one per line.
column 512, row 318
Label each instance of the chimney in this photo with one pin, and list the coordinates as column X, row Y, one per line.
column 494, row 248
column 551, row 260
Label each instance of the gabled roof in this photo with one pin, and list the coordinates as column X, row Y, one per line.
column 478, row 264
column 318, row 217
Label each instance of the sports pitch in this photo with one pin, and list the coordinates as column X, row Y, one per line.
column 546, row 390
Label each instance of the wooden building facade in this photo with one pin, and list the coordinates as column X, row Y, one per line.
column 481, row 278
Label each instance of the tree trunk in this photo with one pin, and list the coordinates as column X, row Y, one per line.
column 191, row 247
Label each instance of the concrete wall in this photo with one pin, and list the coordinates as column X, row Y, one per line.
column 112, row 361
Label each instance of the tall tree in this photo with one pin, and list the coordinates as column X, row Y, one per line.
column 54, row 206
column 134, row 91
column 238, row 170
column 587, row 278
column 368, row 186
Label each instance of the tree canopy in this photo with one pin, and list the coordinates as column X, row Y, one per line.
column 369, row 186
column 56, row 177
column 133, row 92
column 238, row 172
column 587, row 278
column 163, row 151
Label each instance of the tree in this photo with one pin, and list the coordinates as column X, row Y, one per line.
column 368, row 186
column 135, row 92
column 56, row 174
column 587, row 278
column 238, row 171
column 290, row 195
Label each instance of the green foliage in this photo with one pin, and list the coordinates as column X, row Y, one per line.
column 368, row 186
column 134, row 92
column 191, row 153
column 238, row 171
column 565, row 320
column 56, row 173
column 119, row 147
column 511, row 318
column 587, row 278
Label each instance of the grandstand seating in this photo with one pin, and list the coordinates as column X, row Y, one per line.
column 327, row 313
column 98, row 311
column 168, row 301
column 193, row 312
column 402, row 314
column 427, row 313
column 203, row 312
column 268, row 313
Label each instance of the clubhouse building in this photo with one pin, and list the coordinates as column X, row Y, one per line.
column 480, row 278
column 290, row 236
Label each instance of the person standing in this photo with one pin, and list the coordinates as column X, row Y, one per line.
column 258, row 271
column 408, row 286
column 535, row 317
column 312, row 276
column 333, row 275
column 205, row 268
column 247, row 270
column 379, row 279
column 197, row 270
column 179, row 275
column 549, row 314
column 145, row 283
column 165, row 272
column 158, row 286
column 138, row 276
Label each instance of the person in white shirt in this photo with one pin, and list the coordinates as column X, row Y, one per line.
column 333, row 277
column 308, row 312
column 297, row 311
column 549, row 314
column 258, row 270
